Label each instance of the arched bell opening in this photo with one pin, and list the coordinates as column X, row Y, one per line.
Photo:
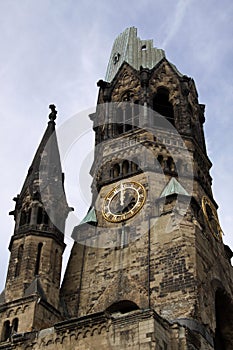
column 163, row 106
column 223, row 339
column 123, row 306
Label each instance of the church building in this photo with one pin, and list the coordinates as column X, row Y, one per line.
column 148, row 268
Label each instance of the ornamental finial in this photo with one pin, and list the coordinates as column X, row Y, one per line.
column 53, row 114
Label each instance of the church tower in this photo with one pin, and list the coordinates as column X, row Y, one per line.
column 30, row 300
column 148, row 268
column 152, row 239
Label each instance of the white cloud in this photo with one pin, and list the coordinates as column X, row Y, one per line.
column 176, row 20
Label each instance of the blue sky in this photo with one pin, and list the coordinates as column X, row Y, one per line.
column 56, row 51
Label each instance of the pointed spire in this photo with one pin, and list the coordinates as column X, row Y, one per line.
column 49, row 138
column 44, row 183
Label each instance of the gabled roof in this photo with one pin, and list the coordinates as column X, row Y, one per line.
column 173, row 187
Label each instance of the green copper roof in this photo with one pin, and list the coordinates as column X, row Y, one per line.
column 173, row 187
column 131, row 49
column 90, row 217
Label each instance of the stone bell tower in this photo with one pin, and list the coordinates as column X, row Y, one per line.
column 152, row 239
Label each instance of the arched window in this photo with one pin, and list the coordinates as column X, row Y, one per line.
column 116, row 170
column 170, row 164
column 162, row 105
column 134, row 165
column 38, row 258
column 128, row 117
column 23, row 218
column 123, row 306
column 40, row 215
column 15, row 324
column 46, row 218
column 160, row 160
column 119, row 125
column 125, row 167
column 28, row 216
column 224, row 321
column 19, row 261
column 6, row 331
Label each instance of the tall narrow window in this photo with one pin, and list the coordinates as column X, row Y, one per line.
column 125, row 167
column 55, row 265
column 119, row 121
column 46, row 218
column 15, row 324
column 128, row 117
column 28, row 216
column 6, row 331
column 38, row 258
column 134, row 165
column 162, row 105
column 224, row 321
column 23, row 218
column 40, row 215
column 19, row 261
column 116, row 170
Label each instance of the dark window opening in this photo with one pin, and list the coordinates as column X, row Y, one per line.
column 128, row 118
column 19, row 261
column 15, row 325
column 23, row 218
column 6, row 331
column 123, row 307
column 160, row 160
column 28, row 216
column 40, row 215
column 223, row 339
column 134, row 166
column 171, row 165
column 143, row 48
column 116, row 170
column 125, row 167
column 162, row 105
column 38, row 258
column 46, row 218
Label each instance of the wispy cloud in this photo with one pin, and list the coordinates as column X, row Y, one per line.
column 180, row 10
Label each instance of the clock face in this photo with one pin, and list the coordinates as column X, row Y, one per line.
column 211, row 217
column 123, row 201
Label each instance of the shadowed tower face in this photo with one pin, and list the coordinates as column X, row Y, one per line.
column 152, row 235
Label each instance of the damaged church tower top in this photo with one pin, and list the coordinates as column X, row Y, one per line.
column 128, row 47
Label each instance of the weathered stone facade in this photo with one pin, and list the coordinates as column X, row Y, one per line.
column 154, row 273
